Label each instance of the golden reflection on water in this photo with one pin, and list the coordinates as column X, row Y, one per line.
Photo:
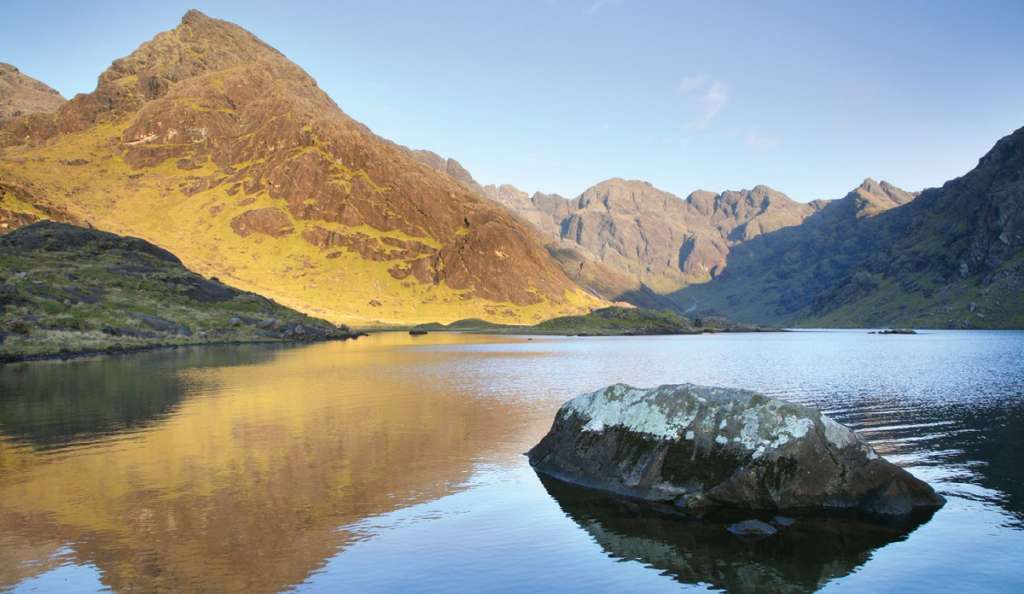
column 244, row 486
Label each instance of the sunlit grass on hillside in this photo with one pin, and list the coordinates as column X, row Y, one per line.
column 85, row 174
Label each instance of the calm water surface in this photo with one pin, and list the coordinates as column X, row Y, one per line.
column 394, row 463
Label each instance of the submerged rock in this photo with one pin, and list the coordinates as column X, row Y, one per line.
column 754, row 528
column 703, row 449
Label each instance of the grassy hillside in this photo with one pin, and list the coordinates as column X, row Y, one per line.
column 67, row 290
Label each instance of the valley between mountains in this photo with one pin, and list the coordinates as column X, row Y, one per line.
column 212, row 145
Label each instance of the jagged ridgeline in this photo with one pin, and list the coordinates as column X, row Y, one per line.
column 948, row 257
column 214, row 146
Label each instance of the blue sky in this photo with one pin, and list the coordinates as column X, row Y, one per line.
column 807, row 97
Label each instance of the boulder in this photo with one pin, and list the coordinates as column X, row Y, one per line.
column 703, row 449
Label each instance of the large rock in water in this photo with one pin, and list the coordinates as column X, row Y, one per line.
column 703, row 449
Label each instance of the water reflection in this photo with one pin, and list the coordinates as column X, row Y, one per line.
column 799, row 558
column 56, row 404
column 243, row 487
column 394, row 464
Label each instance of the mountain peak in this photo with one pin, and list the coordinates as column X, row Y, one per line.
column 194, row 16
column 260, row 169
column 1007, row 149
column 619, row 181
column 869, row 184
column 872, row 197
column 21, row 94
column 763, row 191
column 200, row 45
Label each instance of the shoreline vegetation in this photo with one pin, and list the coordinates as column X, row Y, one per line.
column 608, row 321
column 69, row 291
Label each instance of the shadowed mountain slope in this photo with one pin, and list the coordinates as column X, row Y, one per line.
column 951, row 258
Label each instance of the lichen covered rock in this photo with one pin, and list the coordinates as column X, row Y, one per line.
column 705, row 448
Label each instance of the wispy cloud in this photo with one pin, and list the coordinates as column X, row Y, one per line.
column 712, row 102
column 598, row 5
column 690, row 84
column 710, row 96
column 756, row 140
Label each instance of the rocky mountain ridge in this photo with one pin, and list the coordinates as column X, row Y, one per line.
column 880, row 256
column 21, row 94
column 627, row 239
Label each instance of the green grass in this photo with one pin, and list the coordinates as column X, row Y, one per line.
column 66, row 290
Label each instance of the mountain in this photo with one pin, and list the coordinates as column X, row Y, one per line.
column 21, row 94
column 950, row 258
column 65, row 289
column 213, row 145
column 653, row 241
column 629, row 241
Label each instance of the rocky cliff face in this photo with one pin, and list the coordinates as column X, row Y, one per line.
column 209, row 142
column 653, row 241
column 21, row 94
column 628, row 240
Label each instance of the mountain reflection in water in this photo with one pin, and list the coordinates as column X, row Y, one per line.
column 244, row 486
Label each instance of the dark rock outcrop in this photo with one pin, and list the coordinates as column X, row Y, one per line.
column 268, row 221
column 704, row 449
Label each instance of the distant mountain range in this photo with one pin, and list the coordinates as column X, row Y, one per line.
column 947, row 257
column 213, row 145
column 951, row 258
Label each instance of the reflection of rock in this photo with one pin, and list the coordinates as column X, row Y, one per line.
column 800, row 557
column 708, row 448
